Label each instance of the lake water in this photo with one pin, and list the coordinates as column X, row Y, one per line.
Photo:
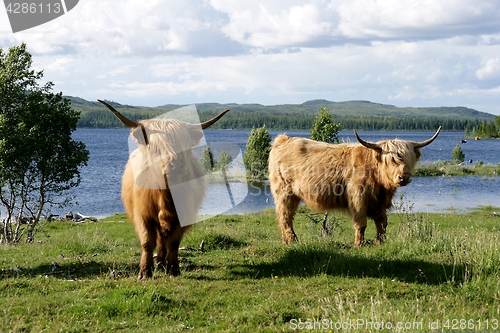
column 99, row 193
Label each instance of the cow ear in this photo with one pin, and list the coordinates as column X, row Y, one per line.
column 196, row 135
column 138, row 135
column 418, row 153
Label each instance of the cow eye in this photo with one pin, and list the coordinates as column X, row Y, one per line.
column 396, row 159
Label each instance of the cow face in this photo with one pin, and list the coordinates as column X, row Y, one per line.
column 165, row 147
column 398, row 159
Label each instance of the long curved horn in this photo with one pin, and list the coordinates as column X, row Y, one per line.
column 210, row 122
column 426, row 142
column 127, row 122
column 370, row 145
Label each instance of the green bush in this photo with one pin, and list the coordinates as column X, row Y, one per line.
column 458, row 154
column 257, row 152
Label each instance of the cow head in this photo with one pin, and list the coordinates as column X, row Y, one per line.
column 397, row 157
column 164, row 148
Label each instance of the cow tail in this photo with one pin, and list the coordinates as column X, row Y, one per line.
column 280, row 139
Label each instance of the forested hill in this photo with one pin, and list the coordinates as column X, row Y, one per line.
column 351, row 114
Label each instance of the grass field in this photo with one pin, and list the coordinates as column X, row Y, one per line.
column 435, row 272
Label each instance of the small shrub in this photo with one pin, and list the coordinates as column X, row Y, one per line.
column 324, row 129
column 207, row 159
column 257, row 152
column 224, row 160
column 458, row 154
column 414, row 226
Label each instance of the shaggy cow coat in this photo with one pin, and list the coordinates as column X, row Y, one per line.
column 360, row 179
column 163, row 159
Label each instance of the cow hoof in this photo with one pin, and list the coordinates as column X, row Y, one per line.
column 173, row 272
column 290, row 238
column 144, row 275
column 161, row 267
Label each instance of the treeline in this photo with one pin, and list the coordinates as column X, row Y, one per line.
column 100, row 119
column 487, row 129
column 241, row 120
column 249, row 120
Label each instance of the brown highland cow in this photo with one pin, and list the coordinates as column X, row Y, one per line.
column 163, row 159
column 360, row 179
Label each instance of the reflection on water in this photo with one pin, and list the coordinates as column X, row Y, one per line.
column 426, row 194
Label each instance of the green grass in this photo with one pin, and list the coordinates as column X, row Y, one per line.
column 433, row 267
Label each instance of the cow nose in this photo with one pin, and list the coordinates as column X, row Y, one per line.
column 405, row 178
column 176, row 165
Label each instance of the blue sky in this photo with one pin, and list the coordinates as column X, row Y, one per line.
column 404, row 53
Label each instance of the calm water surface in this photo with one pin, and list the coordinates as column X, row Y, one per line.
column 99, row 193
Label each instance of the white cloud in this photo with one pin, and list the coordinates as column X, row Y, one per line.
column 490, row 69
column 124, row 28
column 60, row 64
column 143, row 89
column 424, row 19
column 151, row 53
column 277, row 24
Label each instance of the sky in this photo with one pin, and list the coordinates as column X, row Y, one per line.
column 401, row 52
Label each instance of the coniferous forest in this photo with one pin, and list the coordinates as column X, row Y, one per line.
column 241, row 120
column 359, row 115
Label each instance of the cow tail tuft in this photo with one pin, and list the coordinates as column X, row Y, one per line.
column 280, row 139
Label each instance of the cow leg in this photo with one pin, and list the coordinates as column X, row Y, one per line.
column 147, row 239
column 173, row 242
column 161, row 256
column 359, row 224
column 164, row 220
column 381, row 224
column 286, row 206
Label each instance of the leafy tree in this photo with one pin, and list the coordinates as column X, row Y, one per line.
column 257, row 152
column 324, row 129
column 207, row 159
column 224, row 160
column 458, row 154
column 39, row 160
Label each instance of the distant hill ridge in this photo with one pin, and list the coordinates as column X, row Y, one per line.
column 348, row 108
